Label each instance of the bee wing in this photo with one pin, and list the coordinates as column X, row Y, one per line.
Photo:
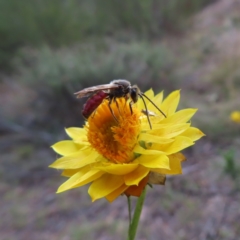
column 86, row 92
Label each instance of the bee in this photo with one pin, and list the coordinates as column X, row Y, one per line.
column 115, row 89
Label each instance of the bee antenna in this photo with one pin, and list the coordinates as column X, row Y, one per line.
column 145, row 105
column 142, row 94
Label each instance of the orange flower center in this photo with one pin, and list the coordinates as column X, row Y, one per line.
column 114, row 137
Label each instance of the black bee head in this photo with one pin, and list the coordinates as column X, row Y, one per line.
column 134, row 91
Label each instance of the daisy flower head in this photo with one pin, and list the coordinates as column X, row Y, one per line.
column 120, row 154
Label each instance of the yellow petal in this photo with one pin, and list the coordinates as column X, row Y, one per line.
column 150, row 106
column 104, row 186
column 140, row 103
column 193, row 133
column 179, row 144
column 76, row 160
column 181, row 116
column 141, row 150
column 80, row 178
column 158, row 98
column 154, row 161
column 113, row 195
column 65, row 147
column 177, row 157
column 149, row 93
column 170, row 103
column 169, row 131
column 118, row 169
column 70, row 172
column 175, row 165
column 153, row 138
column 76, row 133
column 136, row 176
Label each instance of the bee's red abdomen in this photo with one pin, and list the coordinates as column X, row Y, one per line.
column 92, row 103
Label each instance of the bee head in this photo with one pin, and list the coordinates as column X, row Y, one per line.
column 134, row 92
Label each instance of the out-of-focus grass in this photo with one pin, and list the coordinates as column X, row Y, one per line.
column 231, row 167
column 57, row 23
column 117, row 229
column 35, row 22
column 91, row 64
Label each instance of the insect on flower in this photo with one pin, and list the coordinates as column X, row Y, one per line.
column 115, row 89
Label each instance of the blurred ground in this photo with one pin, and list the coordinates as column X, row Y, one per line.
column 202, row 204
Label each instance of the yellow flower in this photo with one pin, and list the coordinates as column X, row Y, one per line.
column 122, row 156
column 235, row 116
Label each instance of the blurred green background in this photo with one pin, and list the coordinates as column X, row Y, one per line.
column 51, row 49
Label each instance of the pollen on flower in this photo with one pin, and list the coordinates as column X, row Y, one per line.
column 114, row 139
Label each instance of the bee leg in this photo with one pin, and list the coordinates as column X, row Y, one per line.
column 145, row 105
column 93, row 114
column 109, row 105
column 147, row 113
column 126, row 98
column 130, row 106
column 143, row 95
column 117, row 106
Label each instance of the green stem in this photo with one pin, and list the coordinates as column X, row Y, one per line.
column 129, row 210
column 137, row 213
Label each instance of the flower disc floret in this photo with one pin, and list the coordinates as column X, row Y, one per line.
column 114, row 137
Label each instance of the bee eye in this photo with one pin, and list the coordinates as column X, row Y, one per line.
column 134, row 95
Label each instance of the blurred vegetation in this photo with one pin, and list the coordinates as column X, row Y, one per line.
column 61, row 23
column 230, row 168
column 88, row 64
column 58, row 47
